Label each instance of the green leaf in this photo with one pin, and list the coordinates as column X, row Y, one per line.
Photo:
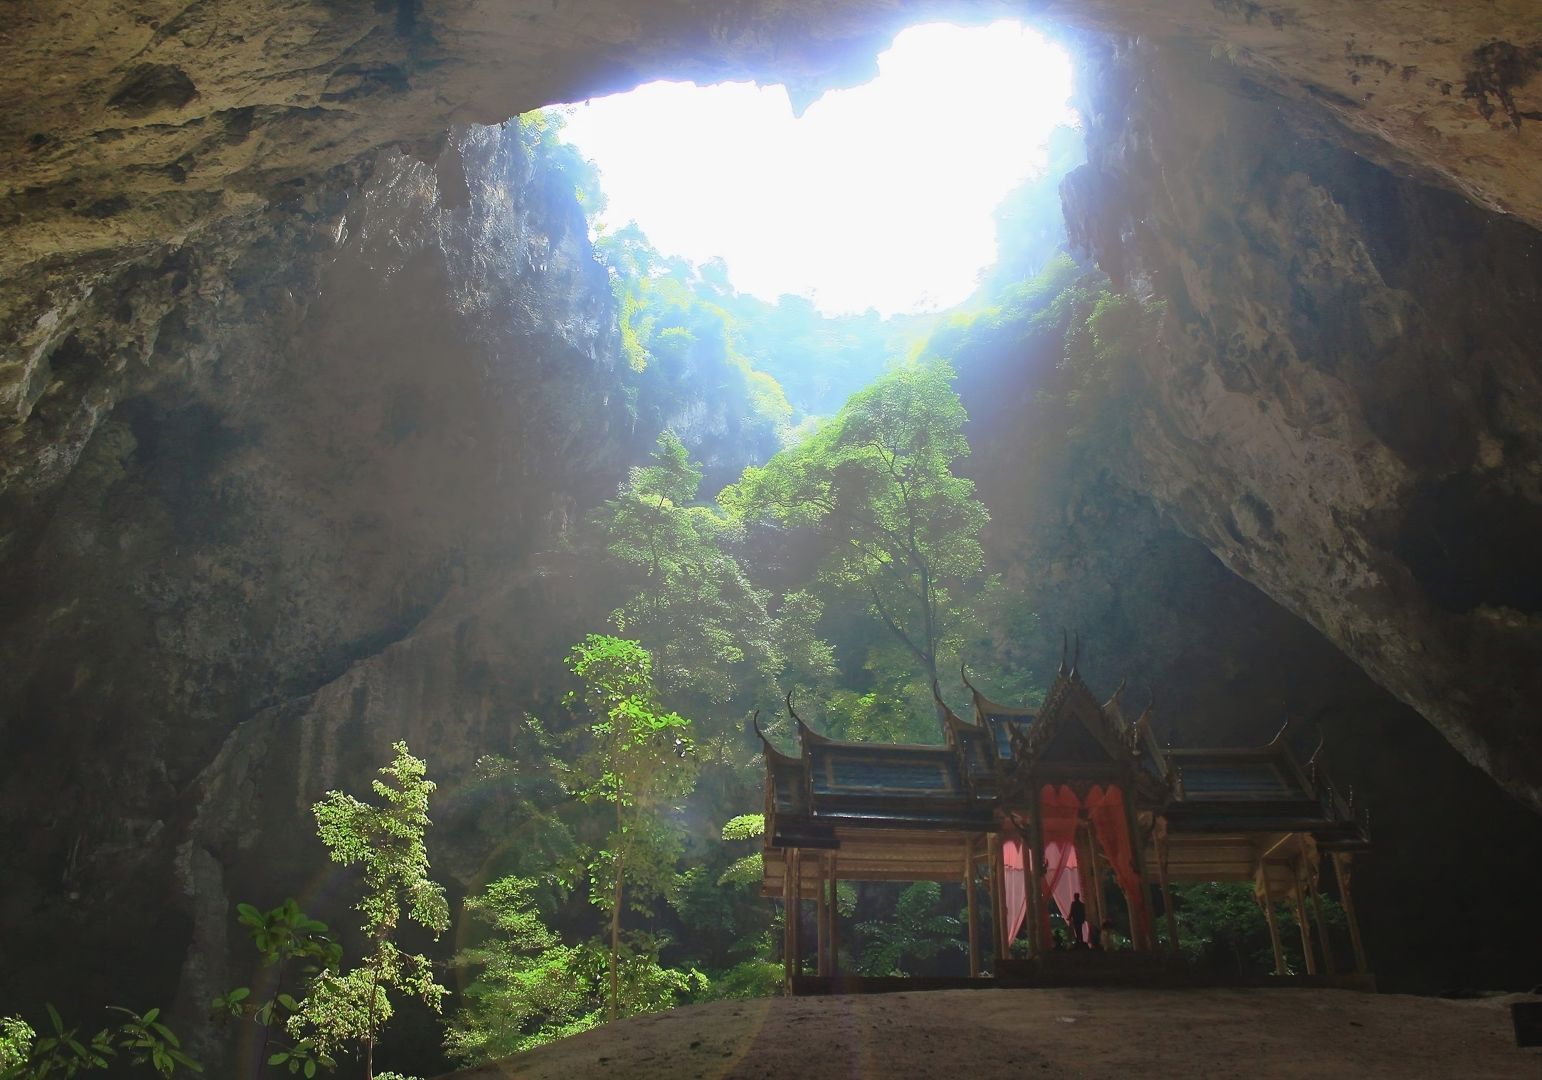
column 310, row 1069
column 278, row 1058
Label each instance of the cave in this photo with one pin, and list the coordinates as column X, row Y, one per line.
column 311, row 375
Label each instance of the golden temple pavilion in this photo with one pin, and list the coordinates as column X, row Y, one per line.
column 1065, row 803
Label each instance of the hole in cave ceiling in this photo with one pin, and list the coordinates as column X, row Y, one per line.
column 878, row 197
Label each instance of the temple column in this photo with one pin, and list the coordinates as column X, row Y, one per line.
column 1274, row 931
column 821, row 929
column 1301, row 922
column 1097, row 878
column 795, row 911
column 835, row 918
column 1032, row 872
column 1087, row 871
column 1141, row 932
column 1159, row 835
column 1341, row 870
column 788, row 907
column 1317, row 915
column 998, row 902
column 969, row 907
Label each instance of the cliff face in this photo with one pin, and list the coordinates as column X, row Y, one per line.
column 283, row 544
column 1330, row 420
column 1343, row 403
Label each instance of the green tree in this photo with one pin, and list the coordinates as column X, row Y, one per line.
column 16, row 1037
column 530, row 988
column 641, row 757
column 917, row 932
column 388, row 842
column 902, row 529
column 711, row 630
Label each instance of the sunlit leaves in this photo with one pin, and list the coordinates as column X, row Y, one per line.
column 878, row 481
column 640, row 757
column 388, row 841
column 711, row 630
column 16, row 1037
column 744, row 827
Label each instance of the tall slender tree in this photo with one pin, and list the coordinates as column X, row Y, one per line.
column 388, row 842
column 641, row 757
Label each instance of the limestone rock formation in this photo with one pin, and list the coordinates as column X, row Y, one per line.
column 365, row 424
column 1344, row 402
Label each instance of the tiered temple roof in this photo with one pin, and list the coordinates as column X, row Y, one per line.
column 1019, row 791
column 991, row 764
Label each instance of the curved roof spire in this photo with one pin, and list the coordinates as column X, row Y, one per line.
column 1111, row 706
column 963, row 673
column 767, row 746
column 1279, row 736
column 806, row 734
column 951, row 721
column 984, row 705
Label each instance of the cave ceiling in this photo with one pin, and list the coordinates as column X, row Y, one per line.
column 132, row 124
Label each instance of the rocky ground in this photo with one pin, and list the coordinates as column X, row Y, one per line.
column 1015, row 1033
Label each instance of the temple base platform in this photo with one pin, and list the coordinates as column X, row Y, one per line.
column 1078, row 969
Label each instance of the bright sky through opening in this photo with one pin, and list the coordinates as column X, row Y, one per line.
column 879, row 196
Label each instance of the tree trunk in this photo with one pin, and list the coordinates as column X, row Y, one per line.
column 374, row 991
column 615, row 918
column 615, row 942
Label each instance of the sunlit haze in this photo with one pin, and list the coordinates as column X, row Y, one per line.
column 879, row 196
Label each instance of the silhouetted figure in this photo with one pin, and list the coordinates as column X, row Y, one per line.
column 1078, row 918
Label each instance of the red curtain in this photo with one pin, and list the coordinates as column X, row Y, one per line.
column 1061, row 877
column 1105, row 806
column 1058, row 809
column 1016, row 891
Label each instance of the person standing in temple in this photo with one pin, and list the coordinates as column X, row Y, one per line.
column 1078, row 920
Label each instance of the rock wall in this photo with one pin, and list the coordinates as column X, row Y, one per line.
column 1343, row 405
column 145, row 140
column 293, row 423
column 283, row 547
column 134, row 123
column 1224, row 665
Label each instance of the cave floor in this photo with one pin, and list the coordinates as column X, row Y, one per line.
column 976, row 1034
